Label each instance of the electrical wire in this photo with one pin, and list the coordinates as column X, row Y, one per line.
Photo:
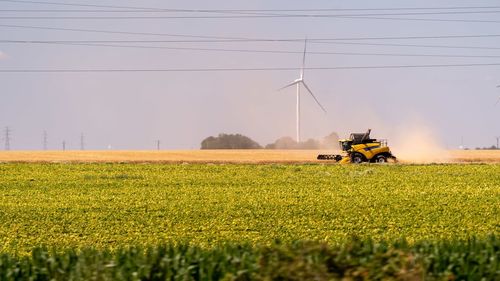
column 409, row 45
column 251, row 10
column 247, row 40
column 240, row 69
column 350, row 16
column 240, row 39
column 250, row 50
column 426, row 19
column 118, row 32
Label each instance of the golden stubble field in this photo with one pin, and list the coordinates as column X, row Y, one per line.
column 218, row 156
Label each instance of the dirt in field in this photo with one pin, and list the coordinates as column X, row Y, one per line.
column 226, row 156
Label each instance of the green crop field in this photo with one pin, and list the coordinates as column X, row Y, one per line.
column 228, row 210
column 112, row 205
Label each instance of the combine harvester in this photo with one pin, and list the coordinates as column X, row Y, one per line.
column 361, row 148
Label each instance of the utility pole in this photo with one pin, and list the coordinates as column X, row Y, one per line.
column 7, row 132
column 45, row 140
column 64, row 145
column 158, row 145
column 82, row 142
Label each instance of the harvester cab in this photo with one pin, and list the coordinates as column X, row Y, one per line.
column 359, row 148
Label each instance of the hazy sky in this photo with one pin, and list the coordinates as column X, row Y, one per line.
column 132, row 110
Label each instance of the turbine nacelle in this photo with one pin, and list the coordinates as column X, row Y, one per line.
column 298, row 82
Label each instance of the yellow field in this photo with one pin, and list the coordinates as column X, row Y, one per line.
column 208, row 156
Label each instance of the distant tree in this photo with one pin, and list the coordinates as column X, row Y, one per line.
column 493, row 147
column 229, row 141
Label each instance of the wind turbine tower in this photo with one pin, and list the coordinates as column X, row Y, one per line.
column 498, row 96
column 298, row 82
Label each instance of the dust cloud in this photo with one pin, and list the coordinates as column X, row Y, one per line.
column 418, row 144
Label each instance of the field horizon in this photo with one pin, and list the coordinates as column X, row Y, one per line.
column 250, row 156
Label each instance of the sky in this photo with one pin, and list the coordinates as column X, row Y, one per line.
column 132, row 110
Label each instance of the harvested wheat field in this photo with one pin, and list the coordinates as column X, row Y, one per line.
column 216, row 156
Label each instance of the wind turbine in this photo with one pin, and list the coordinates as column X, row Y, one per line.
column 297, row 83
column 498, row 97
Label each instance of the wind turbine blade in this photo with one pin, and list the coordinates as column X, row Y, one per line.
column 310, row 92
column 303, row 60
column 289, row 85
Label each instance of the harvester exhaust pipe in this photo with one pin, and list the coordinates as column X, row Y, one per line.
column 367, row 135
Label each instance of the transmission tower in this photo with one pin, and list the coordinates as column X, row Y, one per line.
column 158, row 145
column 64, row 145
column 7, row 137
column 45, row 140
column 498, row 142
column 82, row 142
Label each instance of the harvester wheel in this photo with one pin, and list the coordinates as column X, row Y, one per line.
column 357, row 158
column 381, row 159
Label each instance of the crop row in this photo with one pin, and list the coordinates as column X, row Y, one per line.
column 355, row 260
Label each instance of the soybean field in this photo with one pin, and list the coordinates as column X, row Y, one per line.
column 111, row 206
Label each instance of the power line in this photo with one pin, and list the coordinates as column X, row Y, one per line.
column 264, row 51
column 216, row 39
column 341, row 43
column 410, row 45
column 116, row 32
column 76, row 5
column 241, row 69
column 252, row 10
column 263, row 15
column 244, row 39
column 424, row 19
column 362, row 16
column 313, row 41
column 350, row 16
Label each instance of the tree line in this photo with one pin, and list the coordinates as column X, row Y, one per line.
column 238, row 141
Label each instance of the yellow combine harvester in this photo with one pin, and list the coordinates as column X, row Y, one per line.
column 361, row 148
